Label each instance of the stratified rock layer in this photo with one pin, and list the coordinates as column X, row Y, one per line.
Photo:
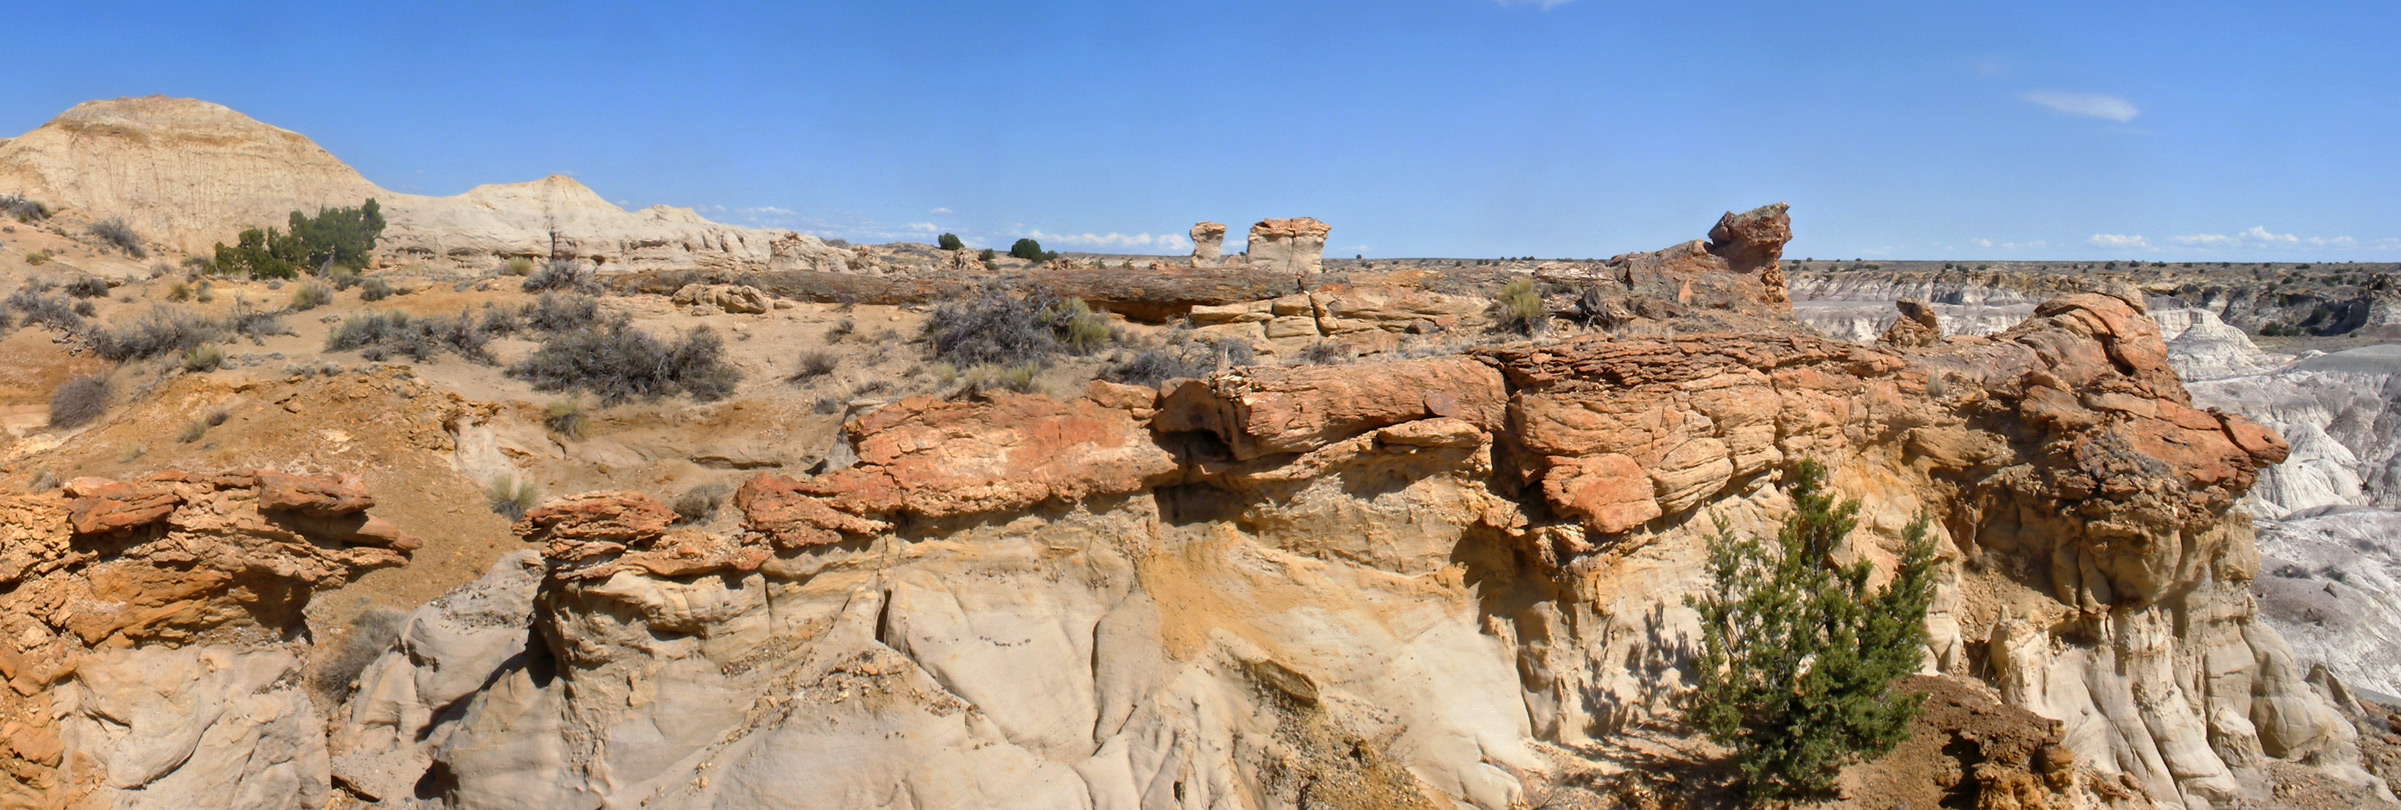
column 1383, row 584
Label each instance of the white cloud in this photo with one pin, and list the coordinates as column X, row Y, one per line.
column 2260, row 237
column 2030, row 245
column 2117, row 241
column 2089, row 105
column 1980, row 242
column 939, row 212
column 1545, row 5
column 1172, row 242
column 924, row 227
column 766, row 211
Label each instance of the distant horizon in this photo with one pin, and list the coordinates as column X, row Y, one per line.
column 1432, row 128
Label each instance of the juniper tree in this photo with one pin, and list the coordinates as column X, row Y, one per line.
column 1799, row 656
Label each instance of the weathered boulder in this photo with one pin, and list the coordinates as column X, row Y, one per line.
column 734, row 298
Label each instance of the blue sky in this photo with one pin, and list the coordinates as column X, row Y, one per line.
column 1556, row 128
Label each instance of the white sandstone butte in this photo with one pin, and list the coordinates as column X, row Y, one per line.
column 189, row 174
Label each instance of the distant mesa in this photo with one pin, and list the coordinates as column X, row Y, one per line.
column 189, row 174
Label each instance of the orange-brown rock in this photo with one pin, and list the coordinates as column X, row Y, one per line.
column 312, row 495
column 608, row 517
column 1270, row 410
column 792, row 516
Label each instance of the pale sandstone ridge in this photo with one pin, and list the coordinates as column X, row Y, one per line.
column 155, row 636
column 1208, row 244
column 190, row 174
column 1296, row 245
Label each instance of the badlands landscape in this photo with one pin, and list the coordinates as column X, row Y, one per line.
column 547, row 503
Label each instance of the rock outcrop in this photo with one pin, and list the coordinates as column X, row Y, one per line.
column 156, row 641
column 1738, row 269
column 1296, row 246
column 190, row 174
column 1384, row 584
column 1208, row 244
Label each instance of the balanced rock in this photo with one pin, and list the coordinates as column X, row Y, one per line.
column 1208, row 244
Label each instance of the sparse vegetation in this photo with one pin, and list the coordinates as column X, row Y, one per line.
column 986, row 256
column 511, row 497
column 379, row 335
column 1325, row 353
column 553, row 312
column 43, row 481
column 1183, row 356
column 203, row 358
column 562, row 275
column 995, row 328
column 310, row 295
column 113, row 232
column 193, row 431
column 985, row 379
column 1799, row 656
column 179, row 292
column 814, row 364
column 840, row 331
column 255, row 324
column 700, row 503
column 616, row 361
column 1518, row 308
column 23, row 209
column 162, row 331
column 342, row 237
column 87, row 287
column 78, row 401
column 567, row 418
column 371, row 633
column 37, row 258
column 374, row 289
column 949, row 241
column 518, row 266
column 40, row 307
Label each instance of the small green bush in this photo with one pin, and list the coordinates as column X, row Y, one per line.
column 339, row 238
column 1799, row 657
column 193, row 431
column 949, row 241
column 812, row 365
column 1031, row 251
column 179, row 292
column 37, row 258
column 986, row 256
column 1518, row 308
column 518, row 266
column 374, row 289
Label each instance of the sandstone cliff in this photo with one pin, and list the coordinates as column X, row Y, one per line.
column 1427, row 581
column 189, row 174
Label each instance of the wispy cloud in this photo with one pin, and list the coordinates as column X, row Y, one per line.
column 1122, row 241
column 2089, row 105
column 2030, row 245
column 2260, row 237
column 2117, row 241
column 1990, row 67
column 1545, row 5
column 924, row 227
column 939, row 212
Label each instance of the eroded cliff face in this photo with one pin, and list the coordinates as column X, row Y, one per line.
column 1418, row 582
column 155, row 640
